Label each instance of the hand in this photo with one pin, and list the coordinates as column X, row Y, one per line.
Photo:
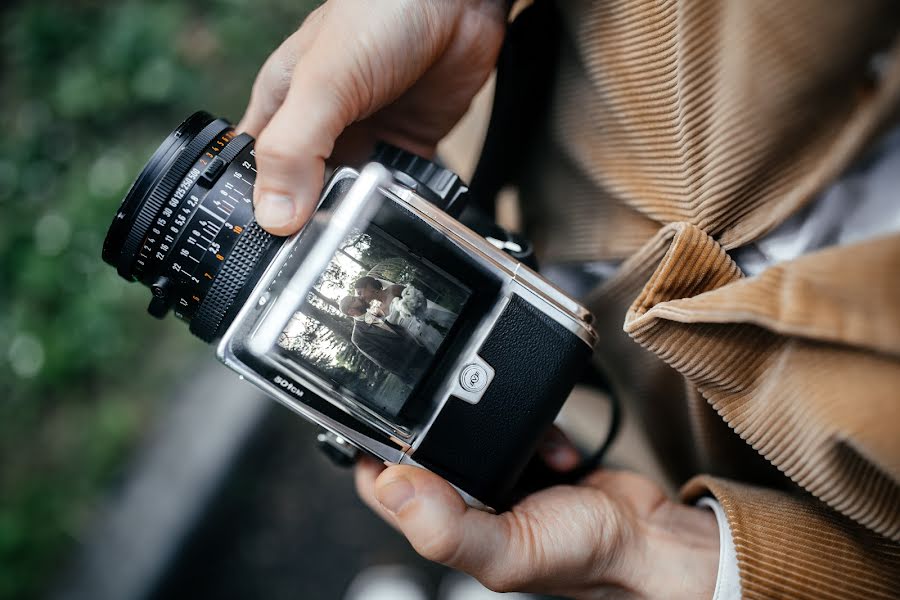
column 402, row 71
column 613, row 535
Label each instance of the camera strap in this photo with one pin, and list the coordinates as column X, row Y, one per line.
column 526, row 71
column 526, row 68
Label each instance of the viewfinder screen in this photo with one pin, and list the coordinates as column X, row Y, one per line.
column 375, row 320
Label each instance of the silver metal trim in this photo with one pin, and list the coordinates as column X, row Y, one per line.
column 569, row 313
column 354, row 208
column 256, row 301
column 364, row 442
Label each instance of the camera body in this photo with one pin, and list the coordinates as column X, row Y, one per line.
column 385, row 321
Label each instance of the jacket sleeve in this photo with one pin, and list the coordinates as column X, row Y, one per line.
column 803, row 363
column 793, row 546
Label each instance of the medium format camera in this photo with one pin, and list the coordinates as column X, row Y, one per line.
column 387, row 322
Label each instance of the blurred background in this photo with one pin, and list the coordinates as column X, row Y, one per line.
column 132, row 464
column 121, row 471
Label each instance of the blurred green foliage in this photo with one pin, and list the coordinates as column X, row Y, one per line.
column 87, row 91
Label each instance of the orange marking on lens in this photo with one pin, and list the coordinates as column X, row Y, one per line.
column 197, row 298
column 220, row 257
column 208, row 276
column 238, row 229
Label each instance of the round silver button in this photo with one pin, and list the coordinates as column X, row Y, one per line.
column 473, row 378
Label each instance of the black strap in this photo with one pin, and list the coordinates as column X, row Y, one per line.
column 526, row 69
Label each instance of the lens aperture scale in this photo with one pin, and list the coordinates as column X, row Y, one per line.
column 162, row 191
column 221, row 217
column 175, row 212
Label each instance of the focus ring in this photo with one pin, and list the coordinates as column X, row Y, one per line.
column 251, row 246
column 162, row 192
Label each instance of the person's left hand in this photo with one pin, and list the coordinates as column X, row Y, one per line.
column 613, row 535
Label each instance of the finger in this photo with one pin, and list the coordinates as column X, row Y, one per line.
column 365, row 473
column 292, row 149
column 557, row 451
column 274, row 78
column 330, row 90
column 439, row 525
column 637, row 491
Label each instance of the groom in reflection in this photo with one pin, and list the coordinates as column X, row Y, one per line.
column 389, row 346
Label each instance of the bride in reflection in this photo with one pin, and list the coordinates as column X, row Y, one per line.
column 407, row 307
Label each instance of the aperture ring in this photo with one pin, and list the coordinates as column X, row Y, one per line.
column 171, row 227
column 239, row 265
column 169, row 224
column 160, row 194
column 234, row 147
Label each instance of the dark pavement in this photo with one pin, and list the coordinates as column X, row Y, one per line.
column 287, row 524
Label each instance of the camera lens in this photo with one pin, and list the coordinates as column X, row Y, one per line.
column 186, row 228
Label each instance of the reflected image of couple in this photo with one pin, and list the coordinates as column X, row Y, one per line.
column 396, row 326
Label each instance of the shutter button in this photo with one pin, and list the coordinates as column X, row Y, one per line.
column 473, row 378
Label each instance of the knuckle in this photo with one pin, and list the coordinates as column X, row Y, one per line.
column 442, row 546
column 272, row 154
column 514, row 570
column 347, row 94
column 359, row 87
column 276, row 77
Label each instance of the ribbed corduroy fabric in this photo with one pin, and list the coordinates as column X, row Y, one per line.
column 678, row 131
column 825, row 414
column 806, row 552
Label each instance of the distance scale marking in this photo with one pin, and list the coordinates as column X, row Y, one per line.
column 211, row 233
column 175, row 213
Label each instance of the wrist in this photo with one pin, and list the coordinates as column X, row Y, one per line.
column 676, row 554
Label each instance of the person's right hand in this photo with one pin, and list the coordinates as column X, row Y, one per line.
column 613, row 535
column 402, row 71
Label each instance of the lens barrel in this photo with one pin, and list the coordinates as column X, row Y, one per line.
column 186, row 228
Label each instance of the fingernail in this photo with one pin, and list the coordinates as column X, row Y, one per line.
column 394, row 494
column 274, row 210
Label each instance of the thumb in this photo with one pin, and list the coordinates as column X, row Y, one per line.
column 439, row 524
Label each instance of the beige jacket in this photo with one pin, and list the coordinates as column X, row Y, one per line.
column 681, row 130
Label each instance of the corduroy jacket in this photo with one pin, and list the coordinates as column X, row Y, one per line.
column 678, row 131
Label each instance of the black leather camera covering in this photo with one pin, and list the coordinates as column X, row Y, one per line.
column 483, row 448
